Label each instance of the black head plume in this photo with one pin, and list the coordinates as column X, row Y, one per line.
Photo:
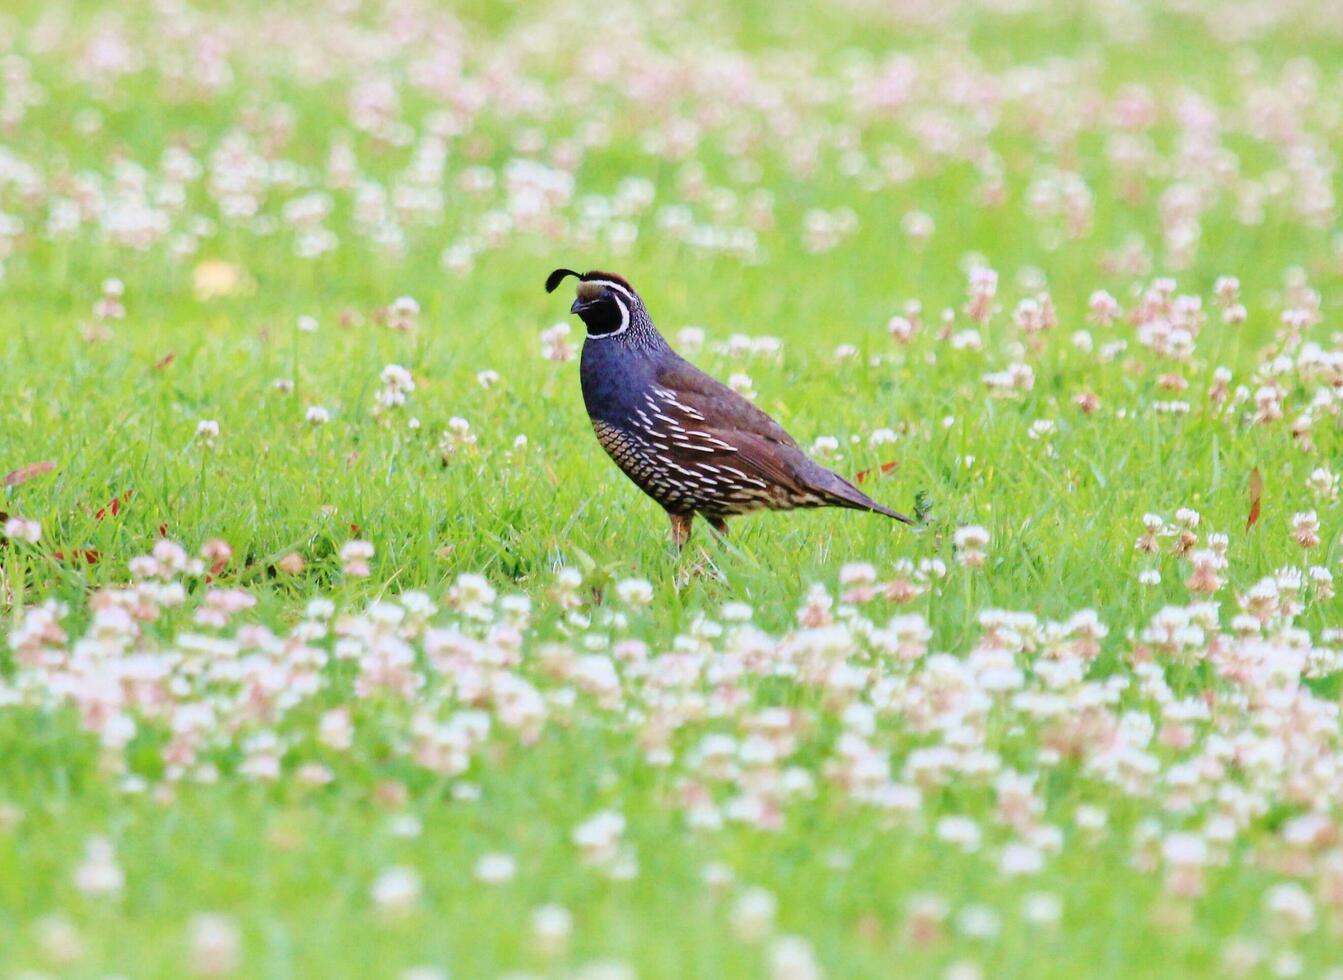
column 558, row 276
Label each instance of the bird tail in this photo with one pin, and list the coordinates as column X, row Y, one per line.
column 877, row 508
column 841, row 493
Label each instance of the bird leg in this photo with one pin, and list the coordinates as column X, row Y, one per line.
column 680, row 528
column 719, row 524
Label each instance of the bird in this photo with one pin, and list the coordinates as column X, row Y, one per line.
column 684, row 438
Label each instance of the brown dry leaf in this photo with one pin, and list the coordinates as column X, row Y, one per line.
column 884, row 468
column 113, row 506
column 1256, row 494
column 25, row 473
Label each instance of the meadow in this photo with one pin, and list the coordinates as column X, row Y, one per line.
column 331, row 643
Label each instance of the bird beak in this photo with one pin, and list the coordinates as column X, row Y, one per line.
column 577, row 307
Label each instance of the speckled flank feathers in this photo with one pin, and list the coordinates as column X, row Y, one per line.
column 689, row 442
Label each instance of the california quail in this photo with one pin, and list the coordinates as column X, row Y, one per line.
column 689, row 442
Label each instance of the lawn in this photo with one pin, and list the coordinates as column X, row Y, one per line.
column 332, row 644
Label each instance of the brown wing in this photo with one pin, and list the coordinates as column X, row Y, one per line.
column 709, row 423
column 713, row 429
column 720, row 406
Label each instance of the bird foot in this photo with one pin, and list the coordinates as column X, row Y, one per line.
column 680, row 529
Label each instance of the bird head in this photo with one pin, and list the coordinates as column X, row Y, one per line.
column 607, row 304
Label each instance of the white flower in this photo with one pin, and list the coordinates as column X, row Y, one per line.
column 354, row 555
column 60, row 939
column 857, row 573
column 1021, row 859
column 317, row 415
column 405, row 825
column 635, row 591
column 396, row 890
column 598, row 837
column 961, row 832
column 1042, row 908
column 215, row 945
column 690, row 338
column 1184, row 849
column 977, row 922
column 970, row 542
column 752, row 914
column 1290, row 909
column 456, row 436
column 1042, row 428
column 471, row 590
column 403, row 314
column 1323, row 483
column 397, row 384
column 552, row 926
column 555, row 344
column 98, row 873
column 495, row 869
column 22, row 529
column 356, row 549
column 791, row 958
column 901, row 328
column 737, row 612
column 971, row 536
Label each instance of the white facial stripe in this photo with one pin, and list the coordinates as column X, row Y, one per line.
column 614, row 285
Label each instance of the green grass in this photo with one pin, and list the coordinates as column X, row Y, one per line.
column 292, row 865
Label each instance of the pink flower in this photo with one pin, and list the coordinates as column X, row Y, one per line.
column 354, row 556
column 971, row 542
column 983, row 288
column 1102, row 308
column 403, row 315
column 109, row 306
column 1306, row 529
column 22, row 529
column 555, row 343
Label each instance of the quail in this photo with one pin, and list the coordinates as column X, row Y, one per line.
column 688, row 441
